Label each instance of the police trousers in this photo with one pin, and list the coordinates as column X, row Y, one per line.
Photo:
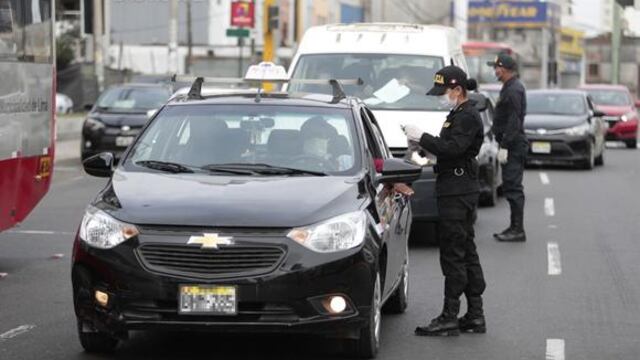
column 458, row 255
column 512, row 173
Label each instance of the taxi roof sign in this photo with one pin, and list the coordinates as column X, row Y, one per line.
column 266, row 71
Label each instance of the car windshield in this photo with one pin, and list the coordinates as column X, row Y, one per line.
column 249, row 138
column 610, row 97
column 390, row 82
column 134, row 99
column 479, row 70
column 557, row 104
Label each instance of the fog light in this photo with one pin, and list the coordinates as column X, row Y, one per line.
column 102, row 298
column 336, row 304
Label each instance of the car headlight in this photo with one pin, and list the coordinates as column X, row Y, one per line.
column 336, row 234
column 102, row 231
column 94, row 124
column 628, row 116
column 579, row 130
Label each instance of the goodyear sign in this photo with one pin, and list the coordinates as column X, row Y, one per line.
column 516, row 14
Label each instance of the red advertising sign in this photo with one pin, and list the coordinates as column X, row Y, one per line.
column 242, row 13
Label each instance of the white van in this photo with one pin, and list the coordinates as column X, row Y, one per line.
column 397, row 63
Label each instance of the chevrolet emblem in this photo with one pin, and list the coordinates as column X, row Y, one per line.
column 210, row 241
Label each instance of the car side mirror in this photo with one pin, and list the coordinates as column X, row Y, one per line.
column 399, row 171
column 88, row 107
column 598, row 113
column 100, row 165
column 637, row 103
column 151, row 113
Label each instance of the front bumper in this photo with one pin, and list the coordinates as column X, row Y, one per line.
column 564, row 148
column 286, row 299
column 622, row 130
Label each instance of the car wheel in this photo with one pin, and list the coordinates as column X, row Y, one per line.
column 366, row 347
column 490, row 198
column 398, row 302
column 590, row 161
column 96, row 341
column 631, row 144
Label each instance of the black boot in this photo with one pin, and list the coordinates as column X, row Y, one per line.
column 516, row 234
column 444, row 325
column 473, row 321
column 511, row 224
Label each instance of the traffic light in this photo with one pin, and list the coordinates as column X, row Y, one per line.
column 273, row 20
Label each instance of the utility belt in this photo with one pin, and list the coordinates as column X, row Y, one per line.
column 458, row 168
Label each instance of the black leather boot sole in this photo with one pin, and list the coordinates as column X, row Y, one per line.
column 425, row 331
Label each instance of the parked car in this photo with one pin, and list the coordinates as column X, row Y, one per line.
column 621, row 112
column 490, row 171
column 250, row 213
column 563, row 126
column 397, row 63
column 64, row 104
column 118, row 116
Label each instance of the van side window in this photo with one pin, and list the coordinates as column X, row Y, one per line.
column 384, row 149
column 372, row 144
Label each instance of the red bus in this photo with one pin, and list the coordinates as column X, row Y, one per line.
column 478, row 54
column 27, row 106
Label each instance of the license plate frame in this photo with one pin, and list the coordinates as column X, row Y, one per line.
column 212, row 300
column 541, row 147
column 124, row 141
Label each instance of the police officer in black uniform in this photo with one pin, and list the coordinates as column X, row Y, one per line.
column 509, row 132
column 457, row 190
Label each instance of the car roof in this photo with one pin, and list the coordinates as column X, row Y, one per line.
column 603, row 87
column 557, row 92
column 246, row 97
column 142, row 85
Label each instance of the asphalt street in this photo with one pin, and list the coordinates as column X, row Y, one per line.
column 571, row 291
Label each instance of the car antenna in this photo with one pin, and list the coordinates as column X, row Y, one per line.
column 338, row 90
column 196, row 89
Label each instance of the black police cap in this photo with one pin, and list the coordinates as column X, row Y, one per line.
column 448, row 78
column 503, row 60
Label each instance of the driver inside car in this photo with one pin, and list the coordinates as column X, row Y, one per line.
column 320, row 140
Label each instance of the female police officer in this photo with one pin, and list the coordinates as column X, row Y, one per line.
column 457, row 190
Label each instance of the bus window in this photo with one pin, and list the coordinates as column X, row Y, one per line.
column 37, row 31
column 10, row 28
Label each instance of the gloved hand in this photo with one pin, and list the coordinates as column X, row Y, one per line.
column 503, row 155
column 413, row 132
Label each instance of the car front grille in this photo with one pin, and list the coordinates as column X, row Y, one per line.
column 193, row 261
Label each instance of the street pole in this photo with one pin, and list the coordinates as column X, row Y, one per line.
column 544, row 70
column 615, row 45
column 240, row 48
column 172, row 64
column 189, row 39
column 268, row 50
column 98, row 59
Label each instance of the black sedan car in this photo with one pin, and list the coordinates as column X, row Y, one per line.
column 232, row 213
column 563, row 127
column 118, row 116
column 490, row 171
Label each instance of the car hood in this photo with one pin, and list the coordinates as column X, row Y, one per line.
column 120, row 119
column 552, row 122
column 390, row 121
column 228, row 201
column 615, row 110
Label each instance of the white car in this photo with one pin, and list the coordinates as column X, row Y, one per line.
column 64, row 104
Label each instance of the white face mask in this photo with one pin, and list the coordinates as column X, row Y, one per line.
column 316, row 147
column 446, row 101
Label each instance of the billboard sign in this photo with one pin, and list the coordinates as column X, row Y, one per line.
column 242, row 14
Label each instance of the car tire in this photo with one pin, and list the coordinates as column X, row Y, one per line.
column 96, row 342
column 590, row 161
column 490, row 198
column 631, row 144
column 367, row 346
column 399, row 301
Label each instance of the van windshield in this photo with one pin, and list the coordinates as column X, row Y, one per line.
column 390, row 81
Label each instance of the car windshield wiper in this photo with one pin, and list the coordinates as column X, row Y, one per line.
column 224, row 168
column 263, row 169
column 164, row 166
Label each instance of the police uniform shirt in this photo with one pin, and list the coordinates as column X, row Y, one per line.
column 509, row 115
column 456, row 148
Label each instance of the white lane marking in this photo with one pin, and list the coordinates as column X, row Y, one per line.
column 549, row 208
column 553, row 259
column 544, row 178
column 555, row 349
column 3, row 275
column 553, row 226
column 56, row 256
column 15, row 332
column 38, row 232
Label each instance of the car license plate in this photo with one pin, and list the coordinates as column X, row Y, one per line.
column 208, row 300
column 124, row 141
column 541, row 147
